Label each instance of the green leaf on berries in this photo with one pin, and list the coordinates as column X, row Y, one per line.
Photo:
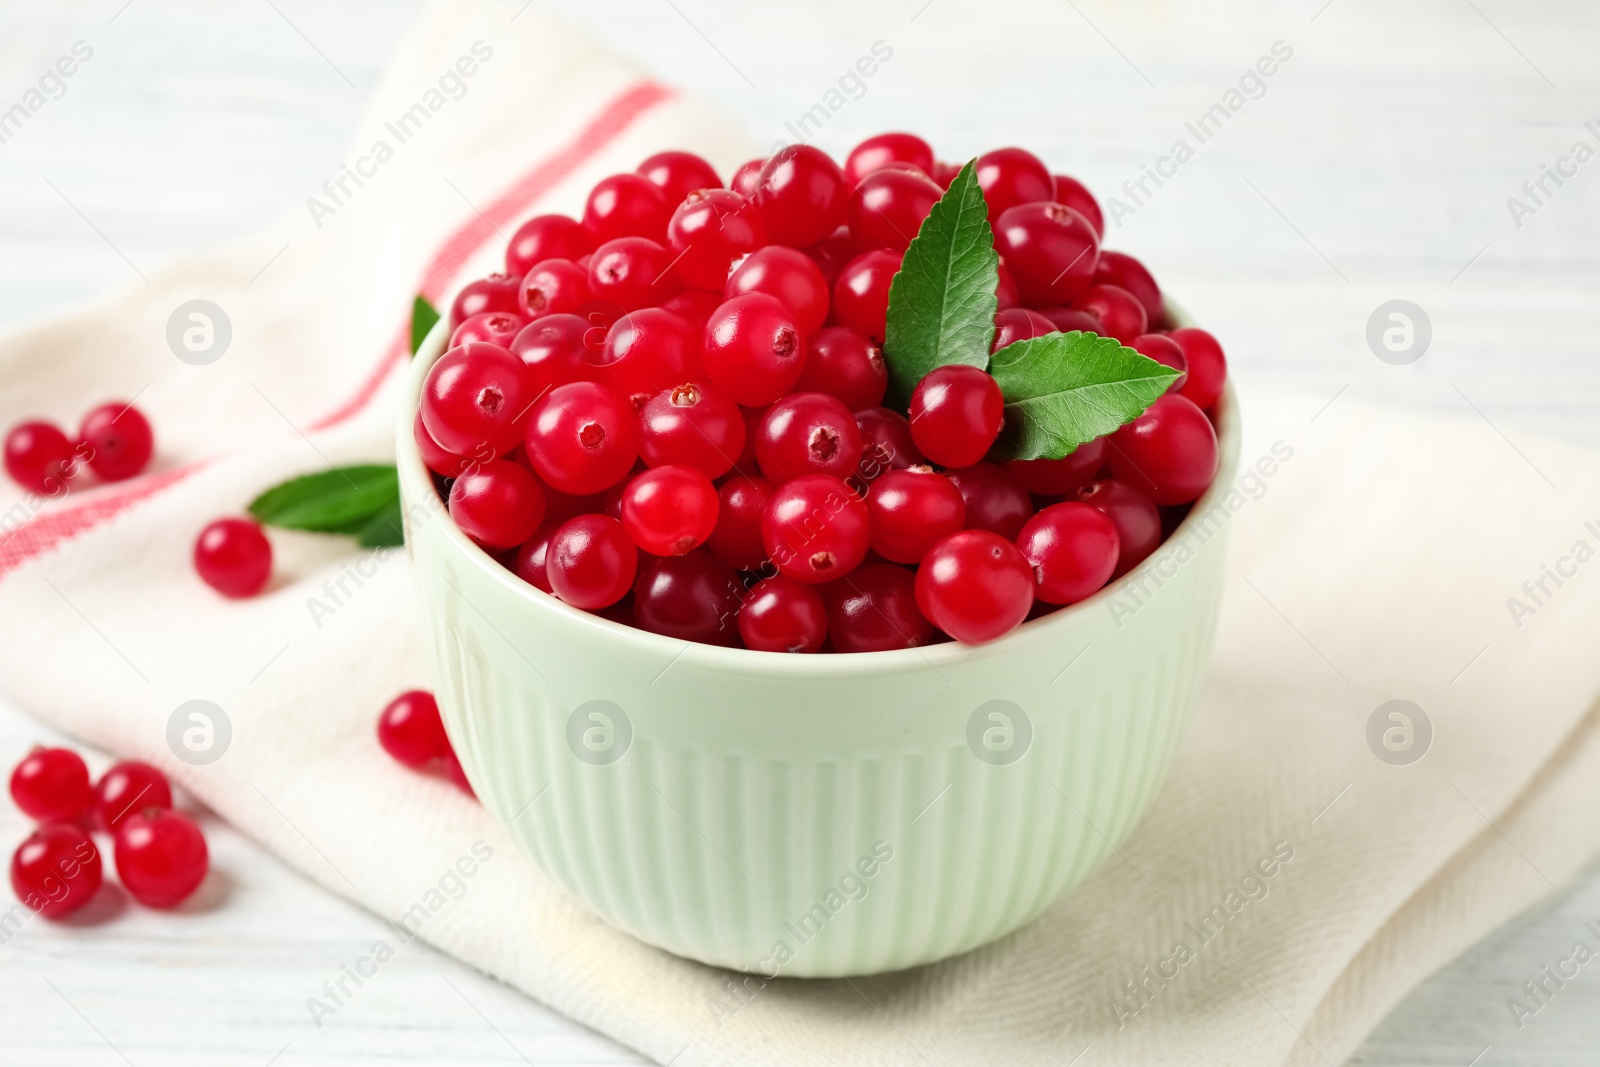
column 423, row 316
column 1064, row 389
column 384, row 529
column 942, row 300
column 344, row 500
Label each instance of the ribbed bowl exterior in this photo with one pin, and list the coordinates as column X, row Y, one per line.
column 813, row 816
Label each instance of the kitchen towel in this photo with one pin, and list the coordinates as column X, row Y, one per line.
column 1378, row 556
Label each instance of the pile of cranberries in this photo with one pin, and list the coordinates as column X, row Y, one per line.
column 672, row 411
column 160, row 853
column 114, row 440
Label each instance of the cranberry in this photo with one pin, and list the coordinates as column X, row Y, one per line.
column 1118, row 311
column 783, row 615
column 529, row 562
column 807, row 433
column 1005, row 288
column 39, row 457
column 832, row 253
column 815, row 529
column 874, row 609
column 844, row 364
column 695, row 305
column 1073, row 550
column 995, row 500
column 736, row 540
column 886, row 442
column 52, row 785
column 411, row 730
column 1070, row 320
column 677, row 174
column 1167, row 352
column 558, row 349
column 754, row 350
column 233, row 557
column 708, row 231
column 56, row 871
column 475, row 401
column 552, row 287
column 117, row 440
column 647, row 351
column 802, row 195
column 910, row 510
column 944, row 174
column 497, row 504
column 582, row 437
column 956, row 411
column 1076, row 195
column 1012, row 176
column 632, row 272
column 1058, row 477
column 694, row 425
column 128, row 787
column 888, row 207
column 494, row 292
column 669, row 510
column 747, row 177
column 451, row 766
column 1125, row 272
column 626, row 205
column 161, row 857
column 591, row 561
column 1018, row 324
column 693, row 597
column 1169, row 453
column 1136, row 517
column 861, row 293
column 491, row 327
column 1050, row 249
column 746, row 463
column 975, row 586
column 1208, row 367
column 789, row 276
column 878, row 152
column 546, row 237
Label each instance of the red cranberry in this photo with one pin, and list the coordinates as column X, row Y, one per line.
column 807, row 433
column 975, row 586
column 529, row 562
column 128, row 787
column 451, row 765
column 754, row 349
column 1118, row 311
column 874, row 609
column 554, row 287
column 783, row 615
column 39, row 457
column 233, row 557
column 746, row 463
column 995, row 500
column 546, row 237
column 117, row 440
column 886, row 442
column 1165, row 351
column 632, row 272
column 1073, row 550
column 1058, row 477
column 944, row 174
column 1125, row 272
column 695, row 305
column 1051, row 251
column 591, row 561
column 802, row 195
column 647, row 351
column 1012, row 176
column 832, row 253
column 691, row 424
column 1169, row 453
column 1136, row 517
column 910, row 510
column 494, row 292
column 475, row 401
column 888, row 207
column 861, row 293
column 736, row 540
column 56, row 871
column 161, row 857
column 956, row 411
column 1076, row 195
column 411, row 730
column 844, row 364
column 1005, row 288
column 815, row 529
column 1208, row 367
column 694, row 597
column 669, row 510
column 490, row 327
column 497, row 504
column 878, row 152
column 747, row 178
column 1018, row 324
column 1070, row 320
column 582, row 438
column 626, row 205
column 787, row 275
column 708, row 231
column 677, row 174
column 558, row 349
column 52, row 785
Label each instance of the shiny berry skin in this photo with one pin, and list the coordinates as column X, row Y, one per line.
column 1018, row 324
column 161, row 857
column 1058, row 477
column 529, row 561
column 746, row 178
column 754, row 350
column 782, row 615
column 632, row 272
column 475, row 401
column 789, row 276
column 693, row 597
column 411, row 730
column 498, row 504
column 626, row 205
column 128, row 787
column 1005, row 289
column 493, row 292
column 1050, row 250
column 558, row 349
column 995, row 500
column 1169, row 453
column 802, row 195
column 582, row 438
column 975, row 586
column 52, row 785
column 56, row 871
column 1070, row 320
column 888, row 207
column 709, row 230
column 546, row 237
column 1118, row 311
column 39, row 457
column 677, row 174
column 956, row 411
column 695, row 305
column 736, row 540
column 491, row 327
column 1122, row 270
column 815, row 529
column 552, row 287
column 116, row 441
column 1076, row 195
column 1012, row 176
column 591, row 561
column 1072, row 548
column 807, row 433
column 912, row 509
column 669, row 510
column 861, row 292
column 886, row 442
column 647, row 351
column 874, row 609
column 878, row 152
column 1136, row 517
column 746, row 463
column 233, row 557
column 1208, row 367
column 832, row 253
column 844, row 364
column 694, row 425
column 1167, row 352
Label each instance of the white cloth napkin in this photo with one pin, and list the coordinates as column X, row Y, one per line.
column 1374, row 563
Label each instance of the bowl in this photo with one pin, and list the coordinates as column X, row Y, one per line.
column 813, row 815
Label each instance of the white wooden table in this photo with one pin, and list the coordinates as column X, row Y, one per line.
column 1375, row 164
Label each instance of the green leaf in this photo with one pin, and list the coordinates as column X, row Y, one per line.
column 1064, row 389
column 341, row 500
column 942, row 301
column 423, row 316
column 384, row 529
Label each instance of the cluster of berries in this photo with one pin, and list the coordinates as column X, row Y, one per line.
column 114, row 441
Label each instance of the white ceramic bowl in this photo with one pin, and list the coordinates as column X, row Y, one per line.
column 813, row 815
